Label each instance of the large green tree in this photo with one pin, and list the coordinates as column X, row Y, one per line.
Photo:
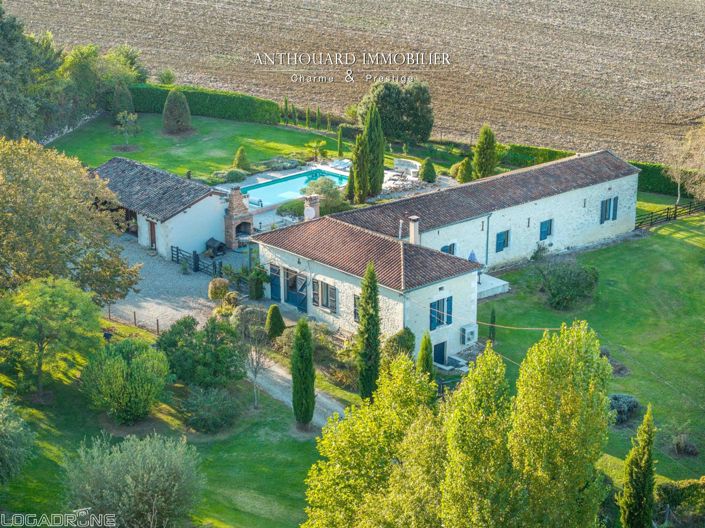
column 57, row 220
column 636, row 501
column 480, row 486
column 368, row 334
column 375, row 146
column 303, row 374
column 559, row 428
column 418, row 112
column 484, row 159
column 51, row 316
column 359, row 452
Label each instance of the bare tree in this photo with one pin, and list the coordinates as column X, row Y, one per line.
column 250, row 323
column 685, row 161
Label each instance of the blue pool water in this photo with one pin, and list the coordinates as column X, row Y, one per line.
column 287, row 188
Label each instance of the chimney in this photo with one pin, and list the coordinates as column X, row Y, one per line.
column 312, row 207
column 414, row 235
column 238, row 219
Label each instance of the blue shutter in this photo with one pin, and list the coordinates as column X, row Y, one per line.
column 449, row 310
column 451, row 249
column 614, row 207
column 432, row 323
column 603, row 211
column 500, row 242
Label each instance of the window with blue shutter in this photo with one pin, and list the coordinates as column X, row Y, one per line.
column 502, row 241
column 614, row 207
column 450, row 249
column 441, row 313
column 449, row 310
column 608, row 209
column 546, row 229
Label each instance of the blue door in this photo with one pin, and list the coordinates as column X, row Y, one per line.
column 439, row 353
column 275, row 282
column 296, row 284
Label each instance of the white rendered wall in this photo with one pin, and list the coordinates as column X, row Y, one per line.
column 576, row 223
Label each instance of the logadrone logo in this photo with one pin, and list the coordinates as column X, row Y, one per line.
column 82, row 518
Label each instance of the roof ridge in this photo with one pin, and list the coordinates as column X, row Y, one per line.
column 368, row 231
column 157, row 170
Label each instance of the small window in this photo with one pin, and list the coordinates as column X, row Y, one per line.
column 325, row 295
column 450, row 249
column 528, row 222
column 441, row 312
column 482, row 226
column 608, row 209
column 546, row 229
column 356, row 308
column 502, row 241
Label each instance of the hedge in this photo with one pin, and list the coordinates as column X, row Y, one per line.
column 350, row 131
column 652, row 178
column 150, row 98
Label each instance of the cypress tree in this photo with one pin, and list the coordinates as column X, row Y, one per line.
column 484, row 161
column 465, row 173
column 176, row 116
column 427, row 172
column 340, row 142
column 286, row 110
column 294, row 115
column 374, row 136
column 308, row 117
column 240, row 161
column 368, row 336
column 122, row 100
column 424, row 361
column 350, row 186
column 636, row 501
column 274, row 324
column 328, row 128
column 492, row 332
column 303, row 374
column 318, row 118
column 361, row 169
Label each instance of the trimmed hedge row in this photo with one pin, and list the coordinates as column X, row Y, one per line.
column 150, row 98
column 652, row 178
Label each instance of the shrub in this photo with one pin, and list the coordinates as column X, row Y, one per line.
column 210, row 410
column 227, row 307
column 126, row 379
column 527, row 155
column 152, row 481
column 323, row 346
column 210, row 103
column 166, row 76
column 463, row 172
column 218, row 288
column 210, row 357
column 16, row 440
column 566, row 281
column 350, row 131
column 229, row 176
column 427, row 172
column 686, row 499
column 683, row 446
column 176, row 113
column 624, row 406
column 274, row 325
column 403, row 342
column 240, row 161
column 122, row 101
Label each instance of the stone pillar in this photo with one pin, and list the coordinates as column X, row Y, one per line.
column 414, row 234
column 236, row 213
column 312, row 207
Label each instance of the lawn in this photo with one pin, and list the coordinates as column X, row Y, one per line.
column 210, row 147
column 649, row 313
column 648, row 202
column 254, row 473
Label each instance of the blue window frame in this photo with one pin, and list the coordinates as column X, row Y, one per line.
column 450, row 249
column 502, row 241
column 441, row 312
column 546, row 229
column 615, row 202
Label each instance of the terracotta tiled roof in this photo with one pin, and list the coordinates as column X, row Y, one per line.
column 480, row 197
column 153, row 192
column 399, row 265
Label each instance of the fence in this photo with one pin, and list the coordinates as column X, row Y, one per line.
column 214, row 267
column 667, row 214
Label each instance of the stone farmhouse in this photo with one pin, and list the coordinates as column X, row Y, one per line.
column 165, row 210
column 429, row 249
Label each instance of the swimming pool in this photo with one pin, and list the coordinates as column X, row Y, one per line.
column 286, row 188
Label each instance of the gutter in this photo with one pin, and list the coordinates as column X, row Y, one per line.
column 487, row 241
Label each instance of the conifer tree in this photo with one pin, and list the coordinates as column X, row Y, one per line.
column 303, row 374
column 424, row 361
column 340, row 142
column 636, row 501
column 350, row 186
column 240, row 160
column 319, row 120
column 361, row 169
column 427, row 172
column 294, row 115
column 465, row 173
column 274, row 324
column 328, row 128
column 374, row 137
column 308, row 117
column 368, row 336
column 492, row 332
column 176, row 115
column 286, row 110
column 484, row 161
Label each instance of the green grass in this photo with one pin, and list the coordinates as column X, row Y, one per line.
column 648, row 202
column 649, row 313
column 254, row 473
column 211, row 147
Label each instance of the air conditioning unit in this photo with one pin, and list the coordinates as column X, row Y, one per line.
column 468, row 334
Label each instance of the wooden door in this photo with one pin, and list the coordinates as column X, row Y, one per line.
column 152, row 234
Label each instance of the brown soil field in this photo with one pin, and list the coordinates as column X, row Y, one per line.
column 619, row 74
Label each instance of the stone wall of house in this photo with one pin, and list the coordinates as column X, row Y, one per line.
column 463, row 290
column 576, row 223
column 390, row 301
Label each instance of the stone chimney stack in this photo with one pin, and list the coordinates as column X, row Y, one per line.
column 414, row 234
column 238, row 220
column 312, row 207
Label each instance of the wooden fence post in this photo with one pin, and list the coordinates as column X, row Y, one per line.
column 157, row 326
column 196, row 266
column 134, row 317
